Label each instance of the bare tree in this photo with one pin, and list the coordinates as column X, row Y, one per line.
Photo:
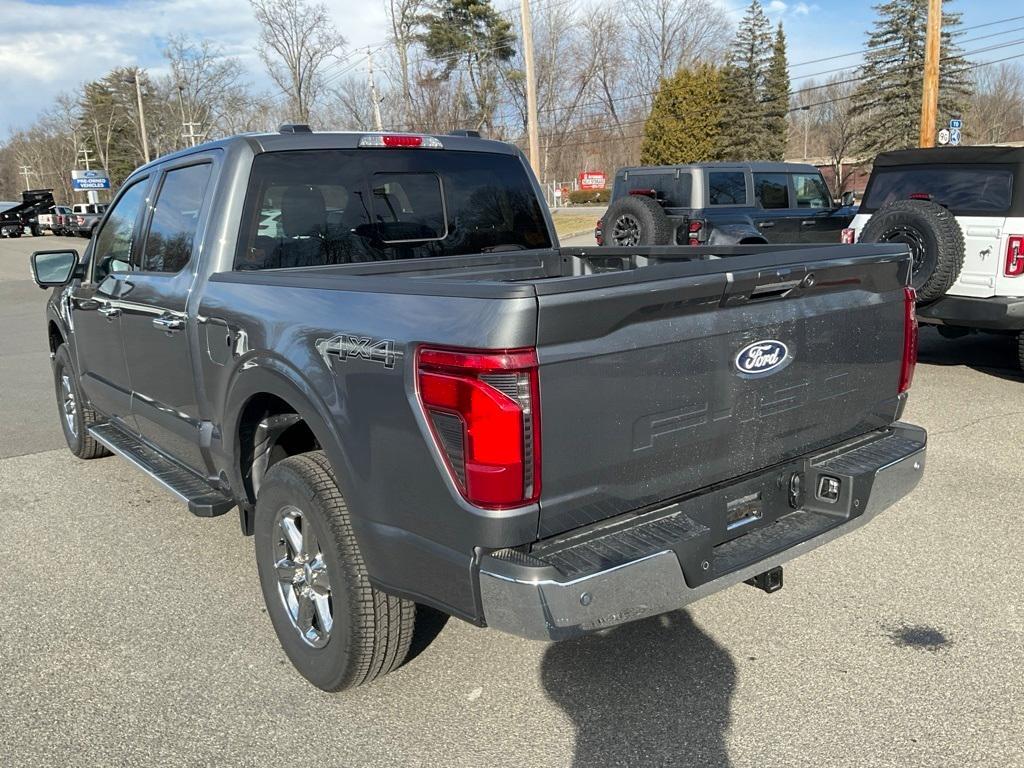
column 404, row 16
column 665, row 35
column 203, row 84
column 839, row 131
column 296, row 41
column 995, row 111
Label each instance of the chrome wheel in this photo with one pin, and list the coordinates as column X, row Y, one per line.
column 68, row 406
column 626, row 230
column 303, row 583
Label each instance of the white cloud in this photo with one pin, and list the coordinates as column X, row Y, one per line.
column 776, row 6
column 803, row 9
column 46, row 49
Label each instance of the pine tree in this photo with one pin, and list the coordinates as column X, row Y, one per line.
column 743, row 114
column 776, row 100
column 887, row 102
column 685, row 118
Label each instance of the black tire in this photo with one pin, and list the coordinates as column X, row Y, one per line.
column 935, row 240
column 636, row 220
column 34, row 229
column 369, row 631
column 1020, row 349
column 76, row 415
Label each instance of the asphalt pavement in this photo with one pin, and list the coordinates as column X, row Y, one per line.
column 134, row 634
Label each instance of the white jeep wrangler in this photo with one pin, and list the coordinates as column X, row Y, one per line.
column 961, row 212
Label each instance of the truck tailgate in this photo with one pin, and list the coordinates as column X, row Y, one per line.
column 642, row 395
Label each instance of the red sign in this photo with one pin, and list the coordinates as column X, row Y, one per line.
column 593, row 180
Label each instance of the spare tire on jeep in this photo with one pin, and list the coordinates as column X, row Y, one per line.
column 933, row 236
column 636, row 220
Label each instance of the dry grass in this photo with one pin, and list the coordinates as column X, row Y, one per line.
column 568, row 223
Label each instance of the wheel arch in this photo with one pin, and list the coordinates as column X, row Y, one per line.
column 270, row 404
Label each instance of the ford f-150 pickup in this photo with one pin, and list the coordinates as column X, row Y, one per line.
column 413, row 396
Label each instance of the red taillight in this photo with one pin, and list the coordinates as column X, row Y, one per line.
column 909, row 339
column 848, row 236
column 484, row 412
column 651, row 193
column 693, row 231
column 1014, row 256
column 920, row 196
column 599, row 232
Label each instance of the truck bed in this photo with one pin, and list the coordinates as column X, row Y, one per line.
column 641, row 400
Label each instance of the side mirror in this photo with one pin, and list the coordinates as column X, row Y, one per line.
column 51, row 269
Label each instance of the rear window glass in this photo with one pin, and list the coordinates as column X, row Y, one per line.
column 979, row 189
column 672, row 192
column 319, row 207
column 727, row 188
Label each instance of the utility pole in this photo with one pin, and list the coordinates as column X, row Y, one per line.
column 142, row 117
column 91, row 195
column 377, row 122
column 807, row 127
column 930, row 91
column 531, row 87
column 25, row 170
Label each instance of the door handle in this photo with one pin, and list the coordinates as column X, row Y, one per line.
column 808, row 223
column 109, row 311
column 766, row 224
column 168, row 323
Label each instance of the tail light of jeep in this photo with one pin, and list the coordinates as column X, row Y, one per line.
column 694, row 232
column 483, row 408
column 599, row 232
column 1014, row 256
column 909, row 339
column 848, row 236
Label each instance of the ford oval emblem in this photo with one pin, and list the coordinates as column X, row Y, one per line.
column 762, row 358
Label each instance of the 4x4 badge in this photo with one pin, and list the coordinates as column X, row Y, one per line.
column 762, row 357
column 346, row 346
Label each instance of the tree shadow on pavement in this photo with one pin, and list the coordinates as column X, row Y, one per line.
column 653, row 692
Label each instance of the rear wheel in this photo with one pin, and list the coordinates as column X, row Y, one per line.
column 1020, row 350
column 76, row 415
column 336, row 628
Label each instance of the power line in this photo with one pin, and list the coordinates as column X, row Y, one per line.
column 865, row 50
column 621, row 137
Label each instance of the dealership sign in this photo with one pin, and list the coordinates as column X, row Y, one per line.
column 593, row 180
column 85, row 180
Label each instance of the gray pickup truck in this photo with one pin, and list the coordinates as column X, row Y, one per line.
column 414, row 397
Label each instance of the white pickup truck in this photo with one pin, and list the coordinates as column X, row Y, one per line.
column 961, row 211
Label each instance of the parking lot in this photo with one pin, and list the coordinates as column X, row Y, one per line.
column 133, row 633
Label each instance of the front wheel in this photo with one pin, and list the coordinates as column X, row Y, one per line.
column 336, row 628
column 76, row 415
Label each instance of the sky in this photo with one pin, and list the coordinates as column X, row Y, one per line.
column 49, row 46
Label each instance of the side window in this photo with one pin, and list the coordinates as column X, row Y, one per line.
column 175, row 220
column 727, row 188
column 811, row 191
column 771, row 190
column 113, row 252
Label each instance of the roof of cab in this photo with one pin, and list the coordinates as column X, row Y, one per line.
column 974, row 155
column 756, row 167
column 283, row 141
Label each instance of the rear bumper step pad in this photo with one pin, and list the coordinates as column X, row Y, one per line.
column 661, row 561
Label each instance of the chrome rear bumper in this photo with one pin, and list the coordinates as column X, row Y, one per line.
column 527, row 596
